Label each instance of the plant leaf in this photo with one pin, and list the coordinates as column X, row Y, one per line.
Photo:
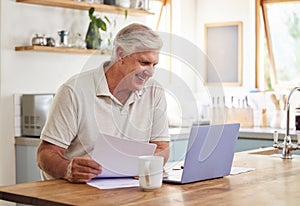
column 101, row 24
column 107, row 19
column 126, row 14
column 91, row 11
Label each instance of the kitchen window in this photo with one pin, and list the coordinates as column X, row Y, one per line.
column 277, row 44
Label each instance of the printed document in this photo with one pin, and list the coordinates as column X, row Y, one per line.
column 118, row 156
column 113, row 183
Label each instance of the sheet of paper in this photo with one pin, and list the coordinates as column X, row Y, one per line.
column 238, row 170
column 119, row 157
column 114, row 183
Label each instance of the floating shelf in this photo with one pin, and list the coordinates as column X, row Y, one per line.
column 86, row 6
column 60, row 50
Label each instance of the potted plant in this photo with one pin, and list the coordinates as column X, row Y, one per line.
column 93, row 37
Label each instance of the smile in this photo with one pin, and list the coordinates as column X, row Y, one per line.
column 141, row 77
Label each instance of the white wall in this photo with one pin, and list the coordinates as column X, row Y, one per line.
column 216, row 11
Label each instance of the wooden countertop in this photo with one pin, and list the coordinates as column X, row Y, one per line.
column 273, row 182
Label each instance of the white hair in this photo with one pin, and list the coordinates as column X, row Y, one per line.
column 136, row 38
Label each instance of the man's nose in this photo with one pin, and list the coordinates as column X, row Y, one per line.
column 149, row 71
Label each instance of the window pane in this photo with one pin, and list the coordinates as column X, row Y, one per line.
column 284, row 24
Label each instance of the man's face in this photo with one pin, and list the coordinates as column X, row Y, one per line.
column 137, row 68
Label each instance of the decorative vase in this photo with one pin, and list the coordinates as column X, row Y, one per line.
column 93, row 38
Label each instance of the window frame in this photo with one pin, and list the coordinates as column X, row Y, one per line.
column 260, row 8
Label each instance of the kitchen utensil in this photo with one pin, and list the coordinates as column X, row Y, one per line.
column 263, row 118
column 275, row 101
column 39, row 40
column 283, row 101
column 246, row 101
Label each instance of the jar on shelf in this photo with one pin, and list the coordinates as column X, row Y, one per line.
column 123, row 3
column 63, row 38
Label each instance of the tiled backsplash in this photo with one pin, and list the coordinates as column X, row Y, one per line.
column 17, row 114
column 259, row 102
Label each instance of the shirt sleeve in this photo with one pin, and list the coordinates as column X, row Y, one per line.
column 61, row 125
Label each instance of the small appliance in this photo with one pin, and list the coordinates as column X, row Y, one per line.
column 34, row 111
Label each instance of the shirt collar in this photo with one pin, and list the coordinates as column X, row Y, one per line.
column 101, row 82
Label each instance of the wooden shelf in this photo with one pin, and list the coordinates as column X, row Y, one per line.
column 71, row 4
column 86, row 6
column 59, row 50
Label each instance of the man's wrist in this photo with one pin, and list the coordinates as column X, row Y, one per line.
column 68, row 174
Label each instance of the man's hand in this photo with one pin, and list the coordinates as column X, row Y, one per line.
column 162, row 149
column 82, row 169
column 51, row 159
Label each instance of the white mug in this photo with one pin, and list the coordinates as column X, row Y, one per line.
column 150, row 172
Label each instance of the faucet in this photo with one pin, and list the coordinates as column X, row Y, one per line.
column 287, row 146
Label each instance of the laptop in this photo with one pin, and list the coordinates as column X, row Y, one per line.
column 209, row 154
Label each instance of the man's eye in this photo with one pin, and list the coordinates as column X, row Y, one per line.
column 144, row 63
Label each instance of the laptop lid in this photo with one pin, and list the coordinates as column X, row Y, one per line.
column 209, row 153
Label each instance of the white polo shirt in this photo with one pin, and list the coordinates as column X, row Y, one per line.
column 83, row 108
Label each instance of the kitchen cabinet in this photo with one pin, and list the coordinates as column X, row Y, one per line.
column 26, row 167
column 71, row 4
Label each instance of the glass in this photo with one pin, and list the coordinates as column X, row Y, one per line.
column 79, row 41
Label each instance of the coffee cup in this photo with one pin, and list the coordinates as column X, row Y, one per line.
column 150, row 172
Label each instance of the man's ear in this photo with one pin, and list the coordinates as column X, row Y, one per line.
column 120, row 52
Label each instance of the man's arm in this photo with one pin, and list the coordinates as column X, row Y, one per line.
column 51, row 159
column 162, row 149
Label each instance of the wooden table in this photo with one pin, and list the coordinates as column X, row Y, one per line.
column 274, row 182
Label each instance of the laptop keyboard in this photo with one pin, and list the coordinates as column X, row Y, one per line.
column 173, row 170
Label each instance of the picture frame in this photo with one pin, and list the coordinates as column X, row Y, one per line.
column 223, row 47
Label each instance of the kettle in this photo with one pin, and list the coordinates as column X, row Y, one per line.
column 39, row 40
